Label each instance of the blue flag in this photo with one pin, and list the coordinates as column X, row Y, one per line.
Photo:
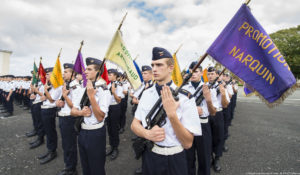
column 247, row 50
column 138, row 70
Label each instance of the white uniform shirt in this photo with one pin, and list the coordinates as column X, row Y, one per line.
column 103, row 98
column 119, row 92
column 41, row 89
column 187, row 114
column 140, row 89
column 55, row 95
column 219, row 96
column 189, row 87
column 229, row 89
column 75, row 91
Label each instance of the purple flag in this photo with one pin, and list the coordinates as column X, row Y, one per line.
column 79, row 67
column 246, row 49
column 248, row 90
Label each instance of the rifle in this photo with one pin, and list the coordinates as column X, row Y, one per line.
column 200, row 98
column 85, row 101
column 141, row 144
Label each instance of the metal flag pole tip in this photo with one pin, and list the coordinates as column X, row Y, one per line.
column 122, row 21
column 247, row 2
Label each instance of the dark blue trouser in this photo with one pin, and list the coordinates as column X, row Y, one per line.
column 92, row 144
column 69, row 141
column 123, row 111
column 226, row 121
column 217, row 132
column 113, row 124
column 156, row 164
column 9, row 103
column 233, row 101
column 36, row 114
column 48, row 118
column 34, row 121
column 202, row 145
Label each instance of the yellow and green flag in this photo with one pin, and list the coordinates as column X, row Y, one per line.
column 118, row 54
column 176, row 74
column 56, row 78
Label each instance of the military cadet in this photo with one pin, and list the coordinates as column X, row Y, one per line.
column 92, row 136
column 125, row 86
column 167, row 155
column 227, row 111
column 206, row 109
column 26, row 93
column 235, row 89
column 48, row 112
column 217, row 122
column 114, row 113
column 37, row 91
column 71, row 90
column 148, row 83
column 8, row 96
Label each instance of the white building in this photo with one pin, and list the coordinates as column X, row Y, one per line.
column 4, row 61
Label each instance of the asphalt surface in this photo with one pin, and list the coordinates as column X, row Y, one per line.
column 262, row 141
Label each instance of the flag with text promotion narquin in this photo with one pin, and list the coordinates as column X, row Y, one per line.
column 56, row 77
column 118, row 54
column 176, row 74
column 246, row 49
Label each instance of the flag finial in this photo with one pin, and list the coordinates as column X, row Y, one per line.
column 81, row 44
column 247, row 2
column 59, row 52
column 122, row 21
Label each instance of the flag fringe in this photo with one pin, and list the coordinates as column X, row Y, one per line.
column 281, row 99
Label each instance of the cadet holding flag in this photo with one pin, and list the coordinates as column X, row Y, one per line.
column 52, row 91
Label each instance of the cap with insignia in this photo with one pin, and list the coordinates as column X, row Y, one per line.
column 159, row 53
column 211, row 69
column 90, row 61
column 49, row 69
column 145, row 68
column 68, row 66
column 114, row 71
column 193, row 64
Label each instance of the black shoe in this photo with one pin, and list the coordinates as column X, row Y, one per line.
column 38, row 143
column 7, row 114
column 109, row 151
column 31, row 133
column 43, row 155
column 121, row 131
column 48, row 158
column 67, row 172
column 138, row 171
column 225, row 148
column 216, row 165
column 114, row 154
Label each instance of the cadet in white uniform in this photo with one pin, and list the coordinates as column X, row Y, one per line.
column 71, row 91
column 182, row 122
column 217, row 122
column 125, row 86
column 48, row 112
column 114, row 114
column 206, row 109
column 92, row 136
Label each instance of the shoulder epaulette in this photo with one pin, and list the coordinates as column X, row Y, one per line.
column 186, row 93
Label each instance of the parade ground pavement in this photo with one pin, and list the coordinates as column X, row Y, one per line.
column 262, row 141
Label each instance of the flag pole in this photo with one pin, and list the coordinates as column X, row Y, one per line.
column 120, row 25
column 136, row 57
column 247, row 2
column 178, row 49
column 102, row 64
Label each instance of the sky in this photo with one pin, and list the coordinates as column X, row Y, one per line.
column 32, row 28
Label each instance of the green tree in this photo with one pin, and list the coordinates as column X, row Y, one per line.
column 288, row 42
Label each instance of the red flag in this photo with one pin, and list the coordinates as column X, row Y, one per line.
column 105, row 75
column 42, row 74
